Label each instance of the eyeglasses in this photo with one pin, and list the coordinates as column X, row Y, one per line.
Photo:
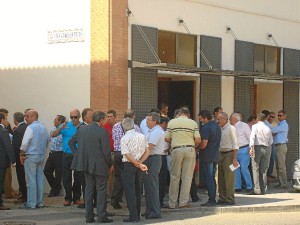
column 73, row 117
column 280, row 115
column 272, row 117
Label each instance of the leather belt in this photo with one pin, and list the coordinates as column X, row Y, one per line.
column 280, row 144
column 244, row 146
column 226, row 152
column 183, row 146
column 52, row 152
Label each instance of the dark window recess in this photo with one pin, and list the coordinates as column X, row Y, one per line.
column 266, row 59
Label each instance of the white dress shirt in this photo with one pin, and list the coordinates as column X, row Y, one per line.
column 261, row 134
column 243, row 133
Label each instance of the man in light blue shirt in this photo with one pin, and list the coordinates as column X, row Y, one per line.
column 34, row 146
column 280, row 141
column 156, row 142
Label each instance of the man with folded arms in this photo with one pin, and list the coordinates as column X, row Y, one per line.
column 183, row 134
column 260, row 150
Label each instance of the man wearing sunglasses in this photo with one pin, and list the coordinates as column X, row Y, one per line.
column 280, row 133
column 67, row 130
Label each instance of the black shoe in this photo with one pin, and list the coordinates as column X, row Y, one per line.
column 51, row 194
column 228, row 203
column 221, row 202
column 82, row 206
column 164, row 206
column 90, row 220
column 209, row 203
column 248, row 190
column 152, row 217
column 196, row 199
column 252, row 193
column 238, row 190
column 144, row 214
column 105, row 220
column 116, row 206
column 128, row 220
column 108, row 214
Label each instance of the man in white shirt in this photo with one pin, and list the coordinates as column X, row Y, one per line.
column 243, row 157
column 260, row 149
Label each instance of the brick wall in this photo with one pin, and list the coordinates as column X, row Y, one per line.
column 109, row 55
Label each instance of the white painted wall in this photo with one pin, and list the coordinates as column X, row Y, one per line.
column 51, row 78
column 249, row 20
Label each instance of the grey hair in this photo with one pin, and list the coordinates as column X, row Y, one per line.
column 224, row 115
column 237, row 116
column 98, row 115
column 128, row 123
column 261, row 116
column 155, row 116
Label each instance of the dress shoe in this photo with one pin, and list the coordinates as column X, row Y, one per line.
column 40, row 206
column 209, row 203
column 252, row 193
column 238, row 190
column 128, row 220
column 78, row 202
column 3, row 207
column 144, row 214
column 92, row 220
column 19, row 200
column 67, row 203
column 185, row 206
column 51, row 195
column 116, row 205
column 248, row 190
column 108, row 214
column 82, row 206
column 221, row 202
column 195, row 199
column 164, row 206
column 152, row 217
column 104, row 220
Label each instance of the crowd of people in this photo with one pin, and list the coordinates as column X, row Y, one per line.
column 83, row 155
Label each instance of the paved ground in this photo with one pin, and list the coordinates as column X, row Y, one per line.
column 255, row 208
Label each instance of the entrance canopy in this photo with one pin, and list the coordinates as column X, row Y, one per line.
column 199, row 70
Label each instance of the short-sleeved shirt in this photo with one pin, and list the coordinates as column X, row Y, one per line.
column 229, row 139
column 212, row 133
column 133, row 143
column 182, row 131
column 156, row 137
column 56, row 143
column 67, row 134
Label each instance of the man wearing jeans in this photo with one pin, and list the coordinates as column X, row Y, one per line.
column 33, row 147
column 183, row 134
column 210, row 144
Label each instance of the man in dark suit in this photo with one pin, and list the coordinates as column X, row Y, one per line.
column 6, row 156
column 18, row 134
column 94, row 159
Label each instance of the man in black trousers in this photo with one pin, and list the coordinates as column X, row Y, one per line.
column 6, row 156
column 18, row 134
column 94, row 159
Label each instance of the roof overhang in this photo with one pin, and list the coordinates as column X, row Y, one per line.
column 199, row 70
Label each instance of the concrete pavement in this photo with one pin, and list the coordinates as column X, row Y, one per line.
column 276, row 200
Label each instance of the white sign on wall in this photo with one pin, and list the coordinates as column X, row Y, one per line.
column 63, row 36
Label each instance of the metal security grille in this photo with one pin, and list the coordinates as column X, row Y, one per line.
column 212, row 49
column 291, row 66
column 144, row 85
column 244, row 87
column 210, row 85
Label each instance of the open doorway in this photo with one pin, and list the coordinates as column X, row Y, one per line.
column 176, row 94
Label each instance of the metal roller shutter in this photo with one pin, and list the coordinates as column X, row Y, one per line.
column 291, row 66
column 143, row 82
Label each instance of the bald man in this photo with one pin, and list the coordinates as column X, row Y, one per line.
column 33, row 148
column 68, row 129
